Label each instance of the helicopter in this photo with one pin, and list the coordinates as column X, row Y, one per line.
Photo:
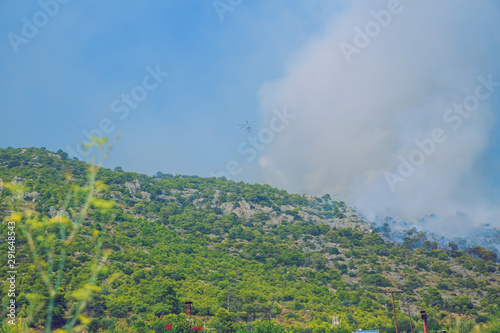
column 246, row 126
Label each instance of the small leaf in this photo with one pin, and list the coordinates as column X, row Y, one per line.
column 84, row 319
column 103, row 204
column 16, row 217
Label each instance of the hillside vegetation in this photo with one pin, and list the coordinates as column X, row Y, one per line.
column 248, row 257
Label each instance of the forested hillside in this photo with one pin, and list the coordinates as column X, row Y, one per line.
column 248, row 257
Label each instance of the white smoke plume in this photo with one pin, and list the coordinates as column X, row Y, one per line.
column 367, row 103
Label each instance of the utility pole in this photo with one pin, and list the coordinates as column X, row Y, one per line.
column 409, row 315
column 393, row 307
column 424, row 321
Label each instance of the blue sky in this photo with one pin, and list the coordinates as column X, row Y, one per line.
column 64, row 79
column 353, row 116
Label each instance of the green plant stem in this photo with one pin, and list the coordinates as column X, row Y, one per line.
column 58, row 282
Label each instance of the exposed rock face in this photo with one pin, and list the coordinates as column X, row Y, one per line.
column 116, row 196
column 226, row 207
column 17, row 180
column 199, row 203
column 146, row 195
column 54, row 155
column 216, row 197
column 30, row 195
column 133, row 187
column 52, row 211
column 244, row 210
column 168, row 198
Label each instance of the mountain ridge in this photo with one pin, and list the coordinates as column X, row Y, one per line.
column 297, row 239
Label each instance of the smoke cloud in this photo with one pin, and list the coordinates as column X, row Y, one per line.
column 394, row 104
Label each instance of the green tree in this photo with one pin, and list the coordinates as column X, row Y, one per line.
column 223, row 321
column 464, row 325
column 433, row 298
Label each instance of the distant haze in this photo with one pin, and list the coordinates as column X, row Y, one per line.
column 362, row 105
